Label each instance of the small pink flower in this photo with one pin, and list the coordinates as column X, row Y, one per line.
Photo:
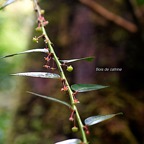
column 72, row 116
column 65, row 88
column 76, row 101
column 86, row 130
column 71, row 119
column 46, row 66
column 47, row 58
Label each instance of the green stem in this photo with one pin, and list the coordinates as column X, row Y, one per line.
column 63, row 77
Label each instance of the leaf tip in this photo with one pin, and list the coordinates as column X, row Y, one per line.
column 28, row 92
column 120, row 113
column 12, row 74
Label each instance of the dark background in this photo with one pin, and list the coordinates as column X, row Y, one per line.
column 78, row 30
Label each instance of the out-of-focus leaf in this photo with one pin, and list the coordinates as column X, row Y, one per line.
column 38, row 74
column 97, row 119
column 52, row 99
column 28, row 51
column 70, row 141
column 74, row 60
column 6, row 3
column 140, row 2
column 86, row 87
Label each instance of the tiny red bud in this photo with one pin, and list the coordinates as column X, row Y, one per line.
column 65, row 88
column 45, row 23
column 47, row 58
column 87, row 132
column 76, row 101
column 71, row 119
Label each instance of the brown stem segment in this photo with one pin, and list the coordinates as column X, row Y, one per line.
column 95, row 7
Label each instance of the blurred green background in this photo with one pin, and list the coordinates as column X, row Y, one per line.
column 15, row 31
column 76, row 31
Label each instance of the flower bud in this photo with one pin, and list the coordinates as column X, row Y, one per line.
column 69, row 68
column 42, row 11
column 74, row 129
column 35, row 39
column 38, row 29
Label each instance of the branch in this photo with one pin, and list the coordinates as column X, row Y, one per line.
column 95, row 7
column 41, row 23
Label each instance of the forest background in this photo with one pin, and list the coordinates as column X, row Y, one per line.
column 112, row 32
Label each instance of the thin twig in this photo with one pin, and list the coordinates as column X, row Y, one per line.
column 95, row 7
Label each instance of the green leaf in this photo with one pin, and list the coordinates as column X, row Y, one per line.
column 52, row 99
column 70, row 141
column 38, row 74
column 28, row 51
column 97, row 119
column 86, row 87
column 74, row 60
column 6, row 3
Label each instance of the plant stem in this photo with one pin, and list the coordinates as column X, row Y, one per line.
column 38, row 10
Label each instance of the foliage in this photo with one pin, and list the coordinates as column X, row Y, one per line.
column 71, row 90
column 13, row 36
column 4, row 124
column 86, row 87
column 6, row 3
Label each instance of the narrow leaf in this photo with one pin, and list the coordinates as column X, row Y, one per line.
column 97, row 119
column 8, row 2
column 28, row 51
column 52, row 99
column 73, row 60
column 38, row 74
column 86, row 87
column 70, row 141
